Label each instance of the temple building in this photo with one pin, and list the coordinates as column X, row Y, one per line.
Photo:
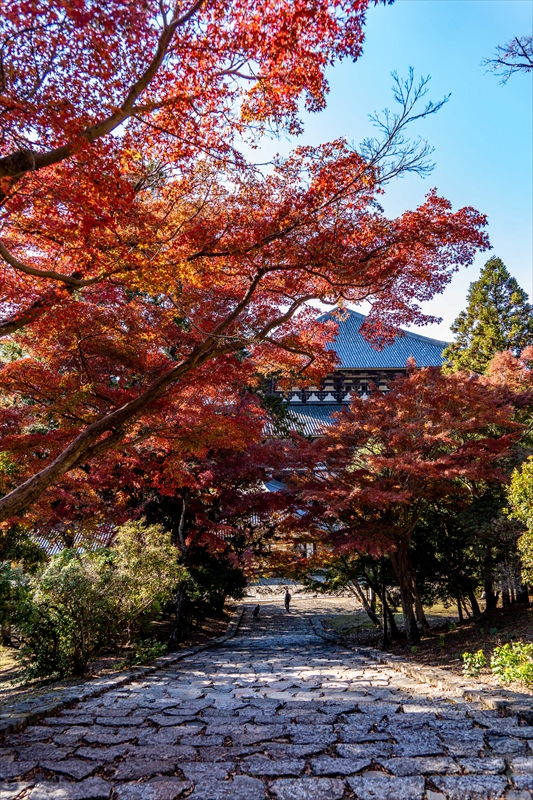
column 361, row 365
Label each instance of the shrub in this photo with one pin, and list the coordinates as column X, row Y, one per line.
column 68, row 616
column 473, row 663
column 442, row 640
column 13, row 592
column 144, row 652
column 147, row 572
column 82, row 602
column 513, row 662
column 212, row 579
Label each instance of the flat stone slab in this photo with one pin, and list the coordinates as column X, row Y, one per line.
column 308, row 789
column 240, row 788
column 9, row 791
column 156, row 789
column 90, row 789
column 480, row 787
column 381, row 787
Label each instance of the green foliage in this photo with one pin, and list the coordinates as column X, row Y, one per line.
column 146, row 572
column 442, row 640
column 451, row 547
column 81, row 602
column 513, row 662
column 13, row 594
column 452, row 626
column 473, row 663
column 17, row 547
column 498, row 317
column 69, row 615
column 414, row 649
column 520, row 496
column 143, row 653
column 212, row 579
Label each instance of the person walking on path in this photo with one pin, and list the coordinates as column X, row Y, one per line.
column 287, row 600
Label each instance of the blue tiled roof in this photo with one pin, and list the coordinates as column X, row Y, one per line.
column 312, row 419
column 356, row 353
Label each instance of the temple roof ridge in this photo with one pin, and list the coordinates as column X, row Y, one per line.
column 355, row 352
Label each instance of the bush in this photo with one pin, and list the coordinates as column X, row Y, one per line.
column 147, row 573
column 68, row 615
column 212, row 579
column 513, row 662
column 82, row 602
column 13, row 592
column 473, row 663
column 144, row 652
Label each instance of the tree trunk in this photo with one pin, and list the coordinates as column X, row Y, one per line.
column 179, row 601
column 178, row 537
column 362, row 597
column 506, row 600
column 490, row 598
column 474, row 603
column 467, row 612
column 392, row 622
column 419, row 608
column 459, row 609
column 384, row 605
column 401, row 568
column 372, row 599
column 378, row 592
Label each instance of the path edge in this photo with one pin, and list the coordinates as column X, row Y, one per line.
column 506, row 702
column 17, row 719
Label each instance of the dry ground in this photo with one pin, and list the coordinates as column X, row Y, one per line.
column 444, row 647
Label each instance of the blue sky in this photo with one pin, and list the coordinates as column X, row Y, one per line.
column 483, row 137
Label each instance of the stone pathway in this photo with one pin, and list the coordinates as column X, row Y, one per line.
column 274, row 713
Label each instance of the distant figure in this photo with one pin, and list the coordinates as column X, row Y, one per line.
column 287, row 600
column 255, row 612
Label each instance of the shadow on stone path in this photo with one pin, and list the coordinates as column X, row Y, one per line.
column 274, row 713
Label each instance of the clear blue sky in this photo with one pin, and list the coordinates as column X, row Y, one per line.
column 483, row 137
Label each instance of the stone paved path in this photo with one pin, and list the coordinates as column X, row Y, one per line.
column 275, row 713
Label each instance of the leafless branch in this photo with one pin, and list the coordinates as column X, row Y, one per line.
column 515, row 56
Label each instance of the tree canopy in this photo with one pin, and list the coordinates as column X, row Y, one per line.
column 150, row 271
column 498, row 317
column 434, row 438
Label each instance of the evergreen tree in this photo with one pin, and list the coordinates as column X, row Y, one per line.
column 498, row 317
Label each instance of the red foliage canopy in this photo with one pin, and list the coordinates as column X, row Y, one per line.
column 147, row 268
column 433, row 438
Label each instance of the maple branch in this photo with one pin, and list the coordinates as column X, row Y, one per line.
column 69, row 280
column 17, row 164
column 25, row 494
column 296, row 350
column 23, row 318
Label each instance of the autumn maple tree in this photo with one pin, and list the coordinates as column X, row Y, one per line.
column 149, row 271
column 433, row 438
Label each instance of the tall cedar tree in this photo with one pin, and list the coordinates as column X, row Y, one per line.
column 432, row 439
column 148, row 269
column 498, row 318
